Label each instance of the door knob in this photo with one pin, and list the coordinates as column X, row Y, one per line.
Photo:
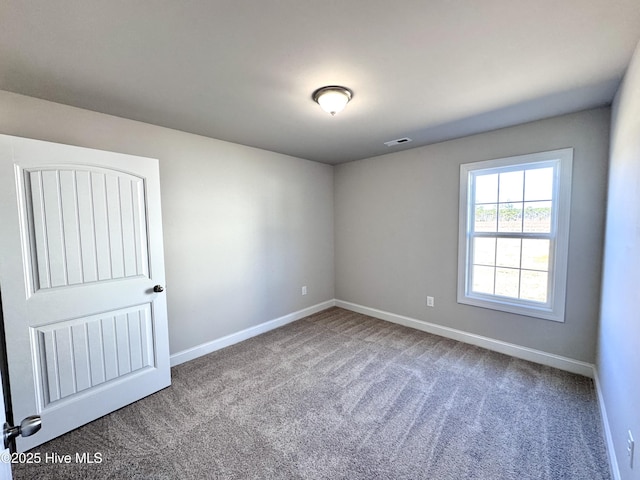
column 158, row 288
column 27, row 427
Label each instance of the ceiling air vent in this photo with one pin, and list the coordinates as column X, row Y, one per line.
column 398, row 141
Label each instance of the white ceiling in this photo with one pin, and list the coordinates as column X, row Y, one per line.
column 244, row 71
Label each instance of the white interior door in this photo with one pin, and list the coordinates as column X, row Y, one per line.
column 80, row 254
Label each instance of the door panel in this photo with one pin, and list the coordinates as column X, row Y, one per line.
column 80, row 252
column 76, row 355
column 84, row 225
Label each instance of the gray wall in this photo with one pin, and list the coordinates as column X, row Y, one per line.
column 396, row 231
column 618, row 362
column 244, row 228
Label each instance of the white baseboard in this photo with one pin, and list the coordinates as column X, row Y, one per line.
column 518, row 351
column 613, row 460
column 205, row 348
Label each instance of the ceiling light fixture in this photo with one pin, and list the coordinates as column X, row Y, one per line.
column 332, row 99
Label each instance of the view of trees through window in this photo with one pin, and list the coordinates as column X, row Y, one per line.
column 511, row 233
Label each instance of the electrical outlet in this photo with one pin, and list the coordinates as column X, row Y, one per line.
column 630, row 448
column 304, row 290
column 429, row 301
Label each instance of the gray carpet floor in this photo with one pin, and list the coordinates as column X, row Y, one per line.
column 339, row 395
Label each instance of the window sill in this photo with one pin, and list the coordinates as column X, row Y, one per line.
column 542, row 312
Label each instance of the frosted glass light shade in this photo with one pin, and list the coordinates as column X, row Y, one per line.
column 332, row 99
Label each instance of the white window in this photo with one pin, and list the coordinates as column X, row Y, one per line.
column 514, row 233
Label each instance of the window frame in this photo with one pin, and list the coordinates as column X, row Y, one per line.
column 554, row 309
